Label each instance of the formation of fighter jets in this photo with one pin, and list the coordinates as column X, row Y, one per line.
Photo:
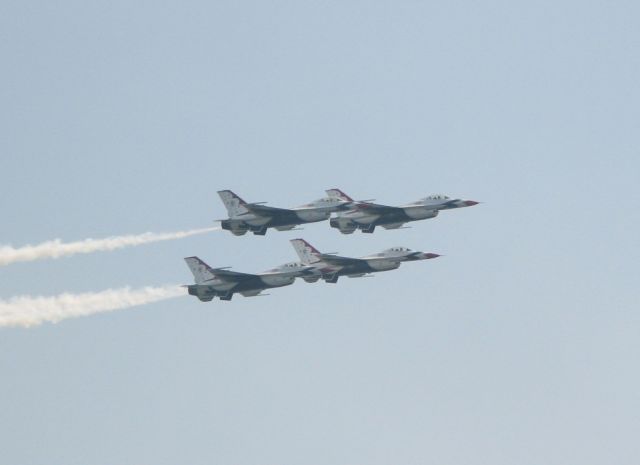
column 349, row 215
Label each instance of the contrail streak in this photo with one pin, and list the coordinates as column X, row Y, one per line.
column 29, row 311
column 56, row 248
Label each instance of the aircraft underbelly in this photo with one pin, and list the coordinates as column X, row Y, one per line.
column 420, row 213
column 359, row 268
column 311, row 216
column 252, row 284
column 366, row 219
column 223, row 286
column 384, row 265
column 258, row 221
column 205, row 290
column 277, row 281
column 387, row 218
column 286, row 220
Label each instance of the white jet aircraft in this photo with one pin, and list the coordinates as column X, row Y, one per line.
column 223, row 283
column 365, row 215
column 330, row 266
column 256, row 217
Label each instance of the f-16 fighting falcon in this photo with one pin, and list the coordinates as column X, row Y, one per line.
column 223, row 283
column 256, row 217
column 365, row 215
column 330, row 266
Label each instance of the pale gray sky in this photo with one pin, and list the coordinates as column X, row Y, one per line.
column 519, row 346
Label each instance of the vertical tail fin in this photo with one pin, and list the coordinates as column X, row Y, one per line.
column 201, row 271
column 308, row 254
column 235, row 205
column 338, row 194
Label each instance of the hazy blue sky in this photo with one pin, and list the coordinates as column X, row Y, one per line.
column 520, row 346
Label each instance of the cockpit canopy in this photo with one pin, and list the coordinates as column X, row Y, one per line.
column 293, row 265
column 287, row 266
column 430, row 199
column 324, row 201
column 398, row 249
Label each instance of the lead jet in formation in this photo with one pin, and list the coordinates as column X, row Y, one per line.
column 256, row 217
column 330, row 267
column 365, row 215
column 223, row 283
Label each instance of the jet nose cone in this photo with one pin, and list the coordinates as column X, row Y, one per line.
column 431, row 255
column 471, row 203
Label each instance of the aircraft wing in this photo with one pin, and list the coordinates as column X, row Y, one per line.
column 232, row 276
column 338, row 260
column 283, row 215
column 377, row 209
column 264, row 210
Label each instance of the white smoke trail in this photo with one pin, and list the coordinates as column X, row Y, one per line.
column 56, row 248
column 29, row 311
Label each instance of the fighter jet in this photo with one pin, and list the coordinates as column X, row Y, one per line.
column 256, row 217
column 365, row 215
column 330, row 267
column 223, row 283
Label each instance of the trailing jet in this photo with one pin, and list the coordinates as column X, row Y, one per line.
column 365, row 215
column 223, row 283
column 256, row 217
column 330, row 266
